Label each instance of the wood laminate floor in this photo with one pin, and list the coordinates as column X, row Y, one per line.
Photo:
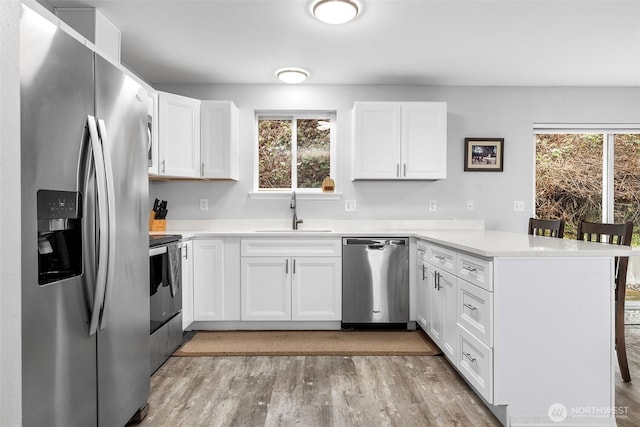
column 335, row 391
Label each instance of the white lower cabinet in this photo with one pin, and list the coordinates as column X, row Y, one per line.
column 216, row 267
column 423, row 293
column 475, row 363
column 316, row 293
column 208, row 303
column 443, row 316
column 460, row 315
column 187, row 284
column 291, row 287
column 265, row 288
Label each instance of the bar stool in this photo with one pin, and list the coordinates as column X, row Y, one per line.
column 546, row 227
column 616, row 234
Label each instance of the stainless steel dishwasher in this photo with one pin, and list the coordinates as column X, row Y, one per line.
column 375, row 281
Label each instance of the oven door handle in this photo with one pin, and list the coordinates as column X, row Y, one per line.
column 157, row 251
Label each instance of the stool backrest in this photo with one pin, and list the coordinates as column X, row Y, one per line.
column 546, row 227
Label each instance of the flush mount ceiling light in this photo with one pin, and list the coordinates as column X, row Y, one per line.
column 292, row 75
column 336, row 11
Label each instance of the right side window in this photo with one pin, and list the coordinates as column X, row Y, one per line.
column 592, row 176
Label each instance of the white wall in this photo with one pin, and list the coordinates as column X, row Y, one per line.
column 507, row 112
column 10, row 303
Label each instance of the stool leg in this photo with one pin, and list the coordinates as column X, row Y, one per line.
column 621, row 347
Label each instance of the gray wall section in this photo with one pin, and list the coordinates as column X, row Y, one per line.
column 506, row 112
column 10, row 234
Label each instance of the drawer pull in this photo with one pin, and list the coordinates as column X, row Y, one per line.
column 468, row 356
column 470, row 269
column 470, row 307
column 439, row 257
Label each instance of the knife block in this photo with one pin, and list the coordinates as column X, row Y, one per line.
column 156, row 224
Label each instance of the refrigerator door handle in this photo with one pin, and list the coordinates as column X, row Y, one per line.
column 111, row 231
column 103, row 246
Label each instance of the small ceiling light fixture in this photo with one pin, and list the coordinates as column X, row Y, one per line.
column 336, row 11
column 292, row 75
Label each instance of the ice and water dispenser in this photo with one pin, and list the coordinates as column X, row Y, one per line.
column 59, row 235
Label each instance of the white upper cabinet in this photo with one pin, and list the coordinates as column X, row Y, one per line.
column 376, row 140
column 399, row 140
column 424, row 140
column 219, row 149
column 152, row 134
column 195, row 139
column 178, row 136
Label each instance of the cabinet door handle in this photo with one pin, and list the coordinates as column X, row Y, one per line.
column 202, row 169
column 186, row 251
column 405, row 169
column 468, row 356
column 163, row 168
column 398, row 169
column 470, row 307
column 286, row 267
column 436, row 280
column 294, row 266
column 423, row 271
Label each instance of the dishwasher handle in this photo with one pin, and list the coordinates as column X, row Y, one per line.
column 376, row 247
column 374, row 242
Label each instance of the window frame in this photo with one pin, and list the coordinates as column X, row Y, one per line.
column 294, row 115
column 609, row 131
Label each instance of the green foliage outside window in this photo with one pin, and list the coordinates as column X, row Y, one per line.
column 275, row 148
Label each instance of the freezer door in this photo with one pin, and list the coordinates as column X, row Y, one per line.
column 123, row 337
column 58, row 355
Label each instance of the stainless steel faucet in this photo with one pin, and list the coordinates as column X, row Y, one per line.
column 296, row 221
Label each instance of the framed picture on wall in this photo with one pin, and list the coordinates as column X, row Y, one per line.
column 483, row 154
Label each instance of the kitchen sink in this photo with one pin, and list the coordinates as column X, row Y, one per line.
column 289, row 230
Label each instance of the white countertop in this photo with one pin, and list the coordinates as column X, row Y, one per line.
column 465, row 235
column 491, row 243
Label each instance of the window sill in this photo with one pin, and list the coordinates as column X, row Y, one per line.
column 300, row 195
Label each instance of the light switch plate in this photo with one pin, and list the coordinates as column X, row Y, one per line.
column 469, row 205
column 432, row 205
column 204, row 204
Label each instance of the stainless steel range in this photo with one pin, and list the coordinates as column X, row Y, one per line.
column 165, row 293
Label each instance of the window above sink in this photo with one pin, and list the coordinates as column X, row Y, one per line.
column 295, row 151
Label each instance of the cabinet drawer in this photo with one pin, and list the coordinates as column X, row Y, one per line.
column 291, row 247
column 421, row 249
column 475, row 270
column 475, row 308
column 475, row 363
column 442, row 258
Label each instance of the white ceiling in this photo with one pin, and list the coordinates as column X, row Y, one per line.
column 422, row 42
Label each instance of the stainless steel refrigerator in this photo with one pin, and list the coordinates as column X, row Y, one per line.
column 85, row 273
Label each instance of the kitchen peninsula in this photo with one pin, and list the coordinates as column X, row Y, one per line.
column 526, row 320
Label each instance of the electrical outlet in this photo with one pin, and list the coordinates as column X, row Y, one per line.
column 518, row 206
column 350, row 206
column 432, row 205
column 204, row 204
column 469, row 205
